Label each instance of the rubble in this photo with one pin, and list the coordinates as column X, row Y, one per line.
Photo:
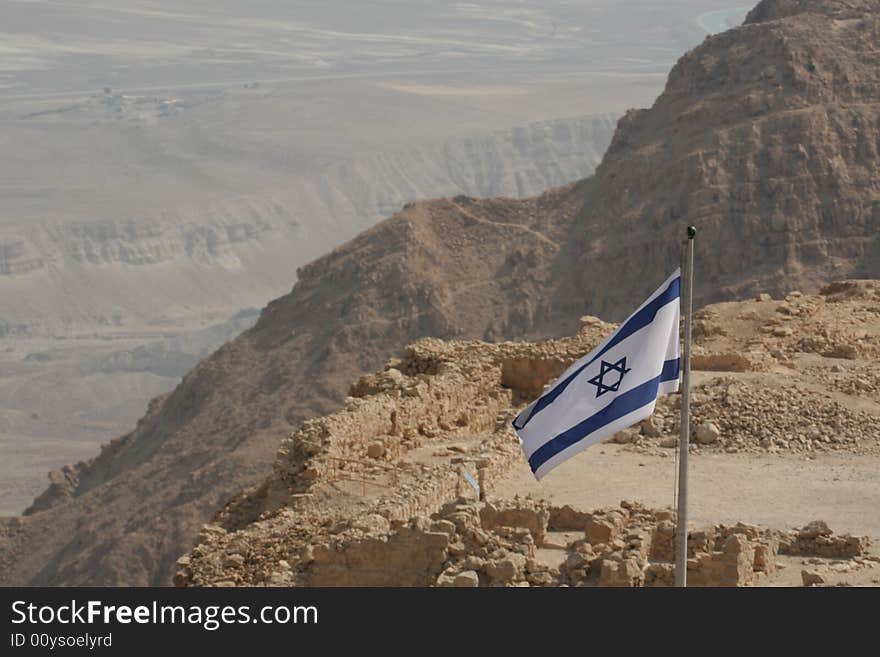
column 731, row 415
column 796, row 375
column 816, row 539
column 469, row 544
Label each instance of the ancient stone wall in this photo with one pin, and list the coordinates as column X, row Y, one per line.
column 470, row 544
column 360, row 496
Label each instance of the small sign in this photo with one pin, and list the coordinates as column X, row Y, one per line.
column 468, row 477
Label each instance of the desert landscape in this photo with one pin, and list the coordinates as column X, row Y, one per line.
column 335, row 437
column 169, row 165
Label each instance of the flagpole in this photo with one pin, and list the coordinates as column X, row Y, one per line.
column 681, row 526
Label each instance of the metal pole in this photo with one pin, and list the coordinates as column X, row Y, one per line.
column 681, row 526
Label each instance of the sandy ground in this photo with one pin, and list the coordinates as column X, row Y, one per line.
column 775, row 490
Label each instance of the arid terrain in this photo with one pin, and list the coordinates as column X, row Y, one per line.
column 94, row 342
column 786, row 436
column 765, row 138
column 167, row 165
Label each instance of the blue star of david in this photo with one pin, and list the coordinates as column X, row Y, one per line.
column 605, row 368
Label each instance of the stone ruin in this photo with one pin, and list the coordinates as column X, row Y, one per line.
column 396, row 450
column 372, row 494
column 778, row 368
column 525, row 543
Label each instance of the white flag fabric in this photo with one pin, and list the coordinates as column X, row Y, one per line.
column 609, row 389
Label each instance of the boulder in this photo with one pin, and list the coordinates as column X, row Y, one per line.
column 815, row 529
column 376, row 449
column 466, row 579
column 707, row 433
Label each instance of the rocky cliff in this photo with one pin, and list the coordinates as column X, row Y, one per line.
column 766, row 138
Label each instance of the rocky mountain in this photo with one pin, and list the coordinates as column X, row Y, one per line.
column 765, row 138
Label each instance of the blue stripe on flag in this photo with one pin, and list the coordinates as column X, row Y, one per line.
column 638, row 321
column 671, row 370
column 624, row 404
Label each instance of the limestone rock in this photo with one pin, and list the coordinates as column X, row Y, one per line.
column 707, row 433
column 624, row 437
column 811, row 578
column 566, row 518
column 466, row 579
column 649, row 428
column 815, row 529
column 601, row 530
column 626, row 573
column 507, row 570
column 660, row 574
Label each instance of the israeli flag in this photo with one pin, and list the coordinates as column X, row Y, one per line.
column 609, row 389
